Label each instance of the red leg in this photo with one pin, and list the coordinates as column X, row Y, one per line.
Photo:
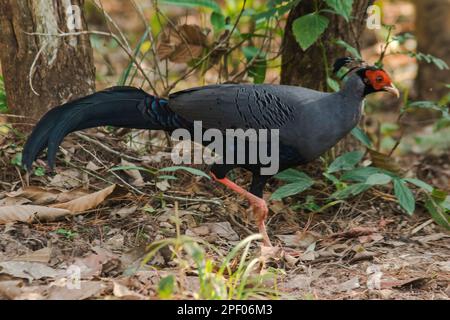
column 259, row 206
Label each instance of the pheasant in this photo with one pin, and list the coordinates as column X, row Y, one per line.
column 308, row 122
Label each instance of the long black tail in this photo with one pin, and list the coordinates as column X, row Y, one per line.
column 125, row 107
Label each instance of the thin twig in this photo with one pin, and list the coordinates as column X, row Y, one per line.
column 106, row 148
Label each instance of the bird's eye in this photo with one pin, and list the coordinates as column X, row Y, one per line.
column 379, row 79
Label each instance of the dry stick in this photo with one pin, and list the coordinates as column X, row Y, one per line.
column 152, row 40
column 106, row 148
column 115, row 174
column 251, row 62
column 106, row 34
column 108, row 18
column 166, row 197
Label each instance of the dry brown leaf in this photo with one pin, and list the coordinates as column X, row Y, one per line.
column 413, row 282
column 40, row 196
column 122, row 213
column 138, row 181
column 223, row 230
column 386, row 162
column 121, row 291
column 42, row 256
column 37, row 195
column 29, row 270
column 68, row 179
column 182, row 45
column 299, row 240
column 29, row 214
column 87, row 202
column 88, row 289
column 18, row 201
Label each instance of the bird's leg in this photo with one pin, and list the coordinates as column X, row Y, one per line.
column 259, row 206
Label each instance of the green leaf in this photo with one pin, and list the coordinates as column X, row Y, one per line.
column 309, row 28
column 341, row 7
column 39, row 172
column 378, row 179
column 405, row 196
column 351, row 191
column 439, row 195
column 218, row 21
column 333, row 84
column 258, row 69
column 353, row 51
column 438, row 213
column 419, row 183
column 346, row 162
column 193, row 171
column 291, row 189
column 166, row 287
column 17, row 160
column 361, row 174
column 292, row 175
column 359, row 134
column 211, row 4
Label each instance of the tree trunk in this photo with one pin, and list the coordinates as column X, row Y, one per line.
column 61, row 68
column 433, row 36
column 308, row 68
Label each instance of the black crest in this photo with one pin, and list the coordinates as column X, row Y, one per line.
column 340, row 63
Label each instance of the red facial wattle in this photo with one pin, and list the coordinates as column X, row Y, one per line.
column 380, row 81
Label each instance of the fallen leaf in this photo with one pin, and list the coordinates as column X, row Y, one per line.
column 30, row 214
column 28, row 270
column 354, row 233
column 68, row 179
column 92, row 166
column 123, row 212
column 121, row 291
column 16, row 201
column 88, row 289
column 431, row 237
column 163, row 185
column 444, row 266
column 92, row 265
column 371, row 238
column 223, row 230
column 414, row 282
column 87, row 202
column 183, row 44
column 138, row 180
column 299, row 240
column 11, row 289
column 349, row 285
column 42, row 256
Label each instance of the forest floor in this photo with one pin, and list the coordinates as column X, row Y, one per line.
column 365, row 248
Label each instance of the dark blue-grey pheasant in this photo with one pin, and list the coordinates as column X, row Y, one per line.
column 309, row 122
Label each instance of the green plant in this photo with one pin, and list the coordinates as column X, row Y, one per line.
column 3, row 107
column 217, row 280
column 68, row 234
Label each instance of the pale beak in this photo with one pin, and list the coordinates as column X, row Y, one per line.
column 392, row 89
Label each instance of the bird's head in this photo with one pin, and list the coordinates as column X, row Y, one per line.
column 374, row 78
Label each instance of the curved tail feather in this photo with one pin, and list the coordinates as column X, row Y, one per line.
column 125, row 107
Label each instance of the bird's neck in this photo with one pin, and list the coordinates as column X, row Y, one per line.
column 352, row 95
column 354, row 88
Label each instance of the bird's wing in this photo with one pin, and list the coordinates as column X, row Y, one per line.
column 238, row 106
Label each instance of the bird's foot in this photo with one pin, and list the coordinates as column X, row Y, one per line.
column 260, row 212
